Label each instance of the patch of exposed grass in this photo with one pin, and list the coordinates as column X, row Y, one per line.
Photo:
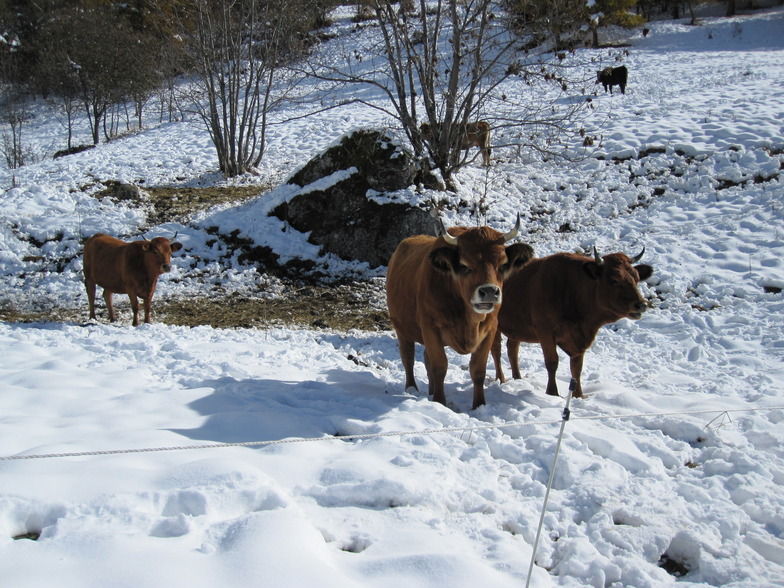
column 180, row 204
column 32, row 536
column 341, row 308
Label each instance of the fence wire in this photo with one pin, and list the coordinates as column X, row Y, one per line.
column 362, row 436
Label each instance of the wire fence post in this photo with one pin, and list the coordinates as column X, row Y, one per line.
column 564, row 418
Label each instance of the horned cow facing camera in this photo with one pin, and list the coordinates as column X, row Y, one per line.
column 446, row 291
column 125, row 268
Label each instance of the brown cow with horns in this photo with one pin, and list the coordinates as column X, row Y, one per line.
column 561, row 301
column 446, row 291
column 126, row 268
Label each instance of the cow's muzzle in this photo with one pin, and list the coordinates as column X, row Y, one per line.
column 636, row 312
column 165, row 268
column 486, row 298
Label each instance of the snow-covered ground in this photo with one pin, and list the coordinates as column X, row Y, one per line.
column 673, row 461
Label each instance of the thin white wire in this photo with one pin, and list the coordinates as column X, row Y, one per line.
column 564, row 418
column 288, row 440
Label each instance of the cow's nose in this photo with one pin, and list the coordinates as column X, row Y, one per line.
column 166, row 267
column 489, row 293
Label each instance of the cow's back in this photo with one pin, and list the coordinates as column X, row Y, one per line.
column 104, row 260
column 404, row 275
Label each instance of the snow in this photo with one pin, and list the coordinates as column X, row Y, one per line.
column 349, row 479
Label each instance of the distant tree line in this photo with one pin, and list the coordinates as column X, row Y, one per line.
column 109, row 61
column 113, row 62
column 103, row 59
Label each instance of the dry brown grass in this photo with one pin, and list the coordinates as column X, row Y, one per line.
column 342, row 308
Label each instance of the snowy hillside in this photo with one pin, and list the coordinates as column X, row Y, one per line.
column 671, row 469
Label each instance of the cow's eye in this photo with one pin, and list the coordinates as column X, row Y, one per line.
column 464, row 269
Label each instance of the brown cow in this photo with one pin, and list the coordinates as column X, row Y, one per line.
column 125, row 268
column 446, row 290
column 561, row 301
column 473, row 134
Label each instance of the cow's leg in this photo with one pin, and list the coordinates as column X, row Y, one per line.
column 438, row 363
column 512, row 349
column 486, row 155
column 478, row 369
column 496, row 352
column 407, row 353
column 147, row 308
column 90, row 285
column 134, row 308
column 430, row 379
column 148, row 302
column 551, row 364
column 576, row 366
column 107, row 297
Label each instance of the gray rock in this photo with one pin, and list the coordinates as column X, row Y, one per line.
column 340, row 217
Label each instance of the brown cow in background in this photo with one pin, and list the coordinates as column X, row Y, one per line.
column 473, row 134
column 561, row 301
column 125, row 268
column 446, row 291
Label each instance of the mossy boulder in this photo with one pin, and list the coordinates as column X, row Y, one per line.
column 334, row 207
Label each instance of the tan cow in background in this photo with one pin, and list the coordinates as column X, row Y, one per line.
column 125, row 268
column 472, row 134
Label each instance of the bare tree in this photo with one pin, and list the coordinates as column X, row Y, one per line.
column 241, row 49
column 445, row 63
column 15, row 114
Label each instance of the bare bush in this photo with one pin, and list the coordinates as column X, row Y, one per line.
column 240, row 52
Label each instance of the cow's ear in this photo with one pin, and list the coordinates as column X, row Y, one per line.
column 644, row 271
column 593, row 269
column 175, row 246
column 444, row 259
column 517, row 256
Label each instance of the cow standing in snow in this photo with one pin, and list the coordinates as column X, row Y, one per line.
column 125, row 268
column 613, row 76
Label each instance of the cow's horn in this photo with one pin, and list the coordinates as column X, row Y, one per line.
column 596, row 256
column 175, row 235
column 441, row 230
column 144, row 237
column 638, row 257
column 513, row 233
